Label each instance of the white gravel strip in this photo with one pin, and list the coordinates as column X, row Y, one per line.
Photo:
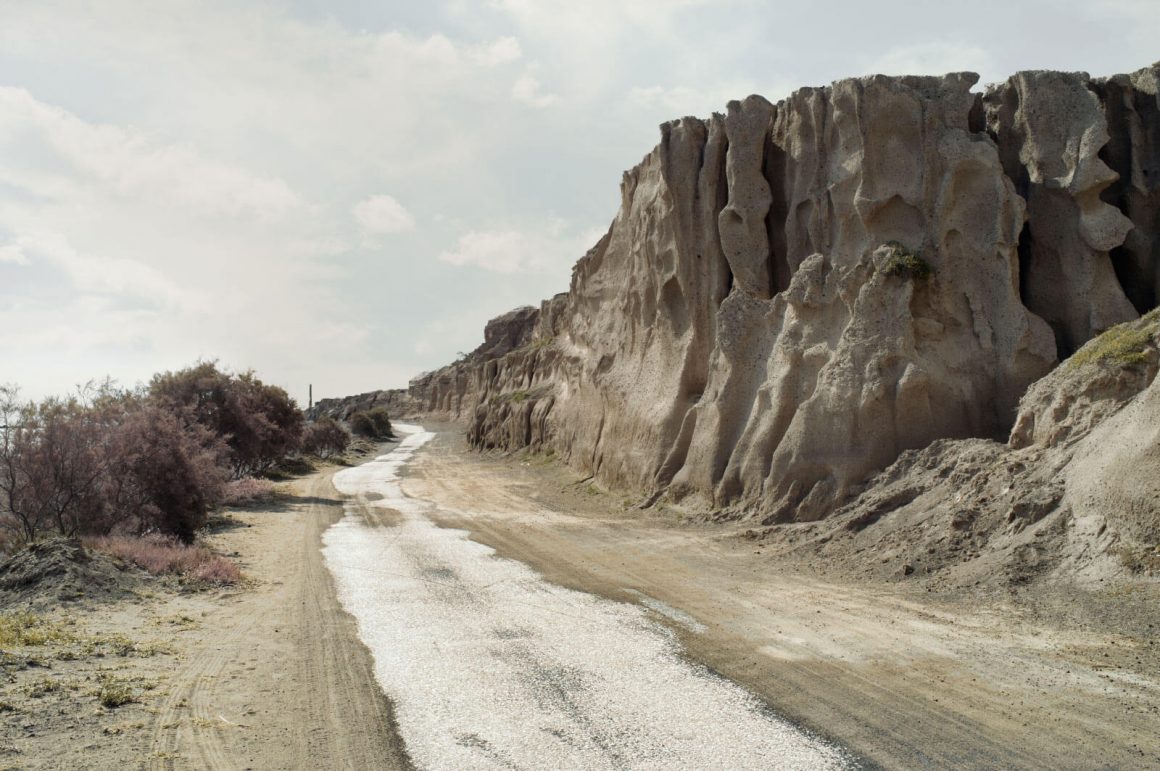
column 489, row 666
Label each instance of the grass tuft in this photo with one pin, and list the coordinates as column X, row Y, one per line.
column 1125, row 344
column 29, row 629
column 113, row 692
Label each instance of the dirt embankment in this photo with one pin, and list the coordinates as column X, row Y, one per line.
column 906, row 678
column 268, row 675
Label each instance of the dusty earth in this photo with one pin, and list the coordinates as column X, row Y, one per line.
column 269, row 675
column 272, row 674
column 902, row 677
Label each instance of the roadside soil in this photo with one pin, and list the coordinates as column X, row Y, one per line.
column 902, row 677
column 268, row 675
column 272, row 675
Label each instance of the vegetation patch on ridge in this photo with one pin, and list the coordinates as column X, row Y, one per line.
column 1125, row 344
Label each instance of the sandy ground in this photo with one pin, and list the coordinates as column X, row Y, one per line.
column 267, row 676
column 903, row 680
column 273, row 675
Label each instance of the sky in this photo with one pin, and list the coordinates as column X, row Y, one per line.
column 342, row 192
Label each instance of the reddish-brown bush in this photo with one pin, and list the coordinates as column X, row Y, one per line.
column 164, row 474
column 53, row 459
column 102, row 462
column 248, row 491
column 260, row 423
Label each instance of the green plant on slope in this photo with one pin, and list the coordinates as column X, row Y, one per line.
column 1124, row 344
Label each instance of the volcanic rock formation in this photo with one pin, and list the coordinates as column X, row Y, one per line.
column 793, row 295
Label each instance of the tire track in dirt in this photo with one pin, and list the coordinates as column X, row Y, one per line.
column 905, row 682
column 275, row 676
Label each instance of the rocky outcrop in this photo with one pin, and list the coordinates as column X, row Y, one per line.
column 448, row 393
column 1074, row 494
column 793, row 295
column 1132, row 106
column 1051, row 130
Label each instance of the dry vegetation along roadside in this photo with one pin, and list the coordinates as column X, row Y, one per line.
column 105, row 666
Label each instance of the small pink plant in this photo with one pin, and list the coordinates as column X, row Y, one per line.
column 249, row 491
column 160, row 555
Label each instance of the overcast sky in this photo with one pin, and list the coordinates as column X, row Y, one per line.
column 342, row 192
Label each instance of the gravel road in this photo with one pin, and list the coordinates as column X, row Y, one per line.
column 490, row 666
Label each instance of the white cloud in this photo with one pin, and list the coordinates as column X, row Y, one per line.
column 679, row 101
column 526, row 90
column 13, row 253
column 126, row 162
column 382, row 214
column 510, row 250
column 935, row 58
column 95, row 274
column 597, row 18
column 502, row 51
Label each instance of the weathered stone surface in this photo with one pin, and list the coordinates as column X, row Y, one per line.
column 1132, row 105
column 793, row 295
column 1075, row 493
column 1050, row 128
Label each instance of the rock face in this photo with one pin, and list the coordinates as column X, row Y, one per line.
column 448, row 393
column 1051, row 130
column 1074, row 494
column 793, row 295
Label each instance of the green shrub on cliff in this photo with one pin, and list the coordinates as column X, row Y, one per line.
column 904, row 263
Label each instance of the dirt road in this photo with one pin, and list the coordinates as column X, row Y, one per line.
column 489, row 666
column 276, row 677
column 904, row 682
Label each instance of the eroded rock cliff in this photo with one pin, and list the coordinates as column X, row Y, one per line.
column 1074, row 493
column 793, row 295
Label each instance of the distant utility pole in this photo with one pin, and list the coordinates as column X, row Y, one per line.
column 310, row 398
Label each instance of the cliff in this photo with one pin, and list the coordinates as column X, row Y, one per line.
column 794, row 295
column 448, row 393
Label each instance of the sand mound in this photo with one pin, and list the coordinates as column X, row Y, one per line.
column 63, row 570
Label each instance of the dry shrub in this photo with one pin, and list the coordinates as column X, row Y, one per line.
column 160, row 555
column 249, row 491
column 260, row 423
column 374, row 424
column 325, row 438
